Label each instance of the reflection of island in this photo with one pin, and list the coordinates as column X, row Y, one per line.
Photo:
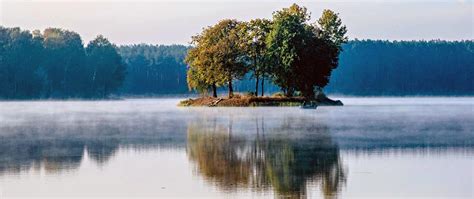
column 275, row 159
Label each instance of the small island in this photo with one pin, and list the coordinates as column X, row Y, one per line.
column 250, row 101
column 289, row 50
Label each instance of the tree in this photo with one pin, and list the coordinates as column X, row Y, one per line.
column 256, row 33
column 197, row 82
column 154, row 69
column 20, row 54
column 304, row 55
column 108, row 70
column 64, row 63
column 230, row 51
column 321, row 55
column 203, row 71
column 284, row 42
column 53, row 64
column 218, row 57
column 331, row 28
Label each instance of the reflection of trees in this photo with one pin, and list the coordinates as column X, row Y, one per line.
column 17, row 154
column 285, row 158
column 50, row 143
column 102, row 150
column 52, row 155
column 223, row 151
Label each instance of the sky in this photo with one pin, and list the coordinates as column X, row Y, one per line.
column 174, row 22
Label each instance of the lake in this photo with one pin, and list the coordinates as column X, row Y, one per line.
column 419, row 147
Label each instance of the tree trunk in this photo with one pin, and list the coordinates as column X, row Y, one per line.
column 256, row 74
column 256, row 86
column 289, row 92
column 231, row 90
column 105, row 92
column 308, row 94
column 263, row 80
column 214, row 90
column 15, row 90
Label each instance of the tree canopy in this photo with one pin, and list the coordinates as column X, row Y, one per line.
column 154, row 69
column 297, row 55
column 218, row 57
column 55, row 64
column 256, row 32
column 107, row 68
column 401, row 68
column 20, row 57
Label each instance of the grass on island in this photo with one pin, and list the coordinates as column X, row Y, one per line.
column 251, row 101
column 242, row 101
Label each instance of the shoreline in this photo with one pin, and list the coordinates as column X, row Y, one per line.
column 245, row 101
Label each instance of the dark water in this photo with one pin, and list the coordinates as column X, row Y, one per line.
column 370, row 148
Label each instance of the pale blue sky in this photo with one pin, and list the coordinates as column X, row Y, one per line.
column 168, row 22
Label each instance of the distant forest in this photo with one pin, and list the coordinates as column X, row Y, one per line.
column 366, row 68
column 154, row 69
column 57, row 64
column 369, row 67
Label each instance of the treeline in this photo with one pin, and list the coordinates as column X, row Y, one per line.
column 399, row 68
column 56, row 64
column 369, row 67
column 154, row 69
column 31, row 68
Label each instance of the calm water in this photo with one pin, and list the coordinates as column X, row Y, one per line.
column 372, row 147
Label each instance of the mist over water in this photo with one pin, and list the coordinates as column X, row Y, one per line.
column 371, row 147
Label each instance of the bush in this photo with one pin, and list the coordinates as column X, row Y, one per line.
column 278, row 94
column 250, row 94
column 237, row 96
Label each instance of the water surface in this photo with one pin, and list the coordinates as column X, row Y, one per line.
column 371, row 147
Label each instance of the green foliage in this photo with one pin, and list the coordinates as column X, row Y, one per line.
column 285, row 40
column 304, row 55
column 64, row 64
column 20, row 55
column 401, row 68
column 321, row 53
column 298, row 56
column 256, row 32
column 55, row 65
column 154, row 69
column 197, row 82
column 108, row 70
column 331, row 28
column 218, row 57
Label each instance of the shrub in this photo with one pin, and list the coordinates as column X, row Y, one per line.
column 278, row 94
